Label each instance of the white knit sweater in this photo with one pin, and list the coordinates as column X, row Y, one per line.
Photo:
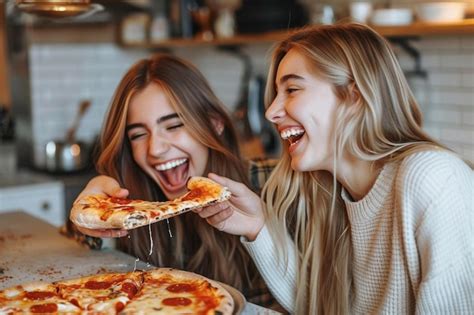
column 412, row 241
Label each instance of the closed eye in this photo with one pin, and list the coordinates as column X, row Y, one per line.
column 176, row 126
column 136, row 136
column 291, row 90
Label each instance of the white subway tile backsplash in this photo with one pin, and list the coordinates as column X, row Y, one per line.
column 63, row 74
column 468, row 117
column 432, row 129
column 467, row 43
column 430, row 60
column 453, row 96
column 457, row 135
column 467, row 79
column 435, row 44
column 458, row 61
column 443, row 116
column 445, row 78
column 467, row 153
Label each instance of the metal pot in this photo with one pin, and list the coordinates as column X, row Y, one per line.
column 63, row 156
column 70, row 154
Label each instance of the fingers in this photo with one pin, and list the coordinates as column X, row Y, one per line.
column 219, row 220
column 210, row 211
column 102, row 232
column 103, row 185
column 112, row 188
column 236, row 188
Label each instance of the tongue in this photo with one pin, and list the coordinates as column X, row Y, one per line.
column 294, row 139
column 176, row 175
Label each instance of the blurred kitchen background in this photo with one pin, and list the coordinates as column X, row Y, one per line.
column 59, row 69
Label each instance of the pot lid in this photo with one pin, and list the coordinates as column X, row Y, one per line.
column 59, row 8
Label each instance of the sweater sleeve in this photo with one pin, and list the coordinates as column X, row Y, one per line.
column 280, row 278
column 444, row 237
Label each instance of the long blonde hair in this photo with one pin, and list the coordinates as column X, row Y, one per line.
column 195, row 245
column 387, row 125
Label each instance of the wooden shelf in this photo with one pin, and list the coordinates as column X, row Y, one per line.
column 428, row 29
column 415, row 29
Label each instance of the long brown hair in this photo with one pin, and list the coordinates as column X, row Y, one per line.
column 195, row 245
column 387, row 126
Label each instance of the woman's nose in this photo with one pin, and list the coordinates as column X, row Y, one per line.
column 158, row 145
column 275, row 111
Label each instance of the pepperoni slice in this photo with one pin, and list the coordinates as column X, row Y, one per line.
column 130, row 289
column 39, row 295
column 120, row 201
column 97, row 285
column 195, row 193
column 177, row 301
column 119, row 306
column 44, row 308
column 181, row 287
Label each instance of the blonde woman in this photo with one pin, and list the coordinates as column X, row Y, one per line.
column 164, row 125
column 365, row 213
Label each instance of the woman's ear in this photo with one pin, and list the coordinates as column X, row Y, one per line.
column 218, row 125
column 355, row 98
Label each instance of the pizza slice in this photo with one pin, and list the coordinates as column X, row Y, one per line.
column 105, row 293
column 99, row 212
column 36, row 298
column 171, row 291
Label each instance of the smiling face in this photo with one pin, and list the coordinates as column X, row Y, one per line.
column 161, row 145
column 303, row 111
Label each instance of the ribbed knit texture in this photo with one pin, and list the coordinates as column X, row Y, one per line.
column 412, row 239
column 280, row 278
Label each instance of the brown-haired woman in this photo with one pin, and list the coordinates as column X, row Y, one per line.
column 164, row 125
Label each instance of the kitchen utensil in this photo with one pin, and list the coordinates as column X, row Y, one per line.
column 83, row 107
column 440, row 12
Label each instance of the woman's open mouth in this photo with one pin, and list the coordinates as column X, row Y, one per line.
column 173, row 173
column 292, row 135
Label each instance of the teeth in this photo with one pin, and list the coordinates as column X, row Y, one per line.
column 287, row 133
column 169, row 165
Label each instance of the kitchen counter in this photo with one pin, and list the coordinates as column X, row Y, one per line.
column 22, row 178
column 33, row 250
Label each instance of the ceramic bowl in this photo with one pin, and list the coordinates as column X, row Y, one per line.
column 392, row 16
column 440, row 12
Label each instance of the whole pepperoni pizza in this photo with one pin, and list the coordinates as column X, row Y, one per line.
column 157, row 291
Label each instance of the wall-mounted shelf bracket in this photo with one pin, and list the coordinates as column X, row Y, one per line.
column 404, row 43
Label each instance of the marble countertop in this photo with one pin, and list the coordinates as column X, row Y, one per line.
column 23, row 177
column 33, row 250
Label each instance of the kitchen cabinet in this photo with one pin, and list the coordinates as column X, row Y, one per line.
column 416, row 29
column 44, row 200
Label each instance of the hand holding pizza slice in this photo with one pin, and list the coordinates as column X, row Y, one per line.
column 104, row 212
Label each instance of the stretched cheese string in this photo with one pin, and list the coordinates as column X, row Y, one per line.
column 136, row 260
column 151, row 240
column 169, row 228
column 151, row 245
column 135, row 267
